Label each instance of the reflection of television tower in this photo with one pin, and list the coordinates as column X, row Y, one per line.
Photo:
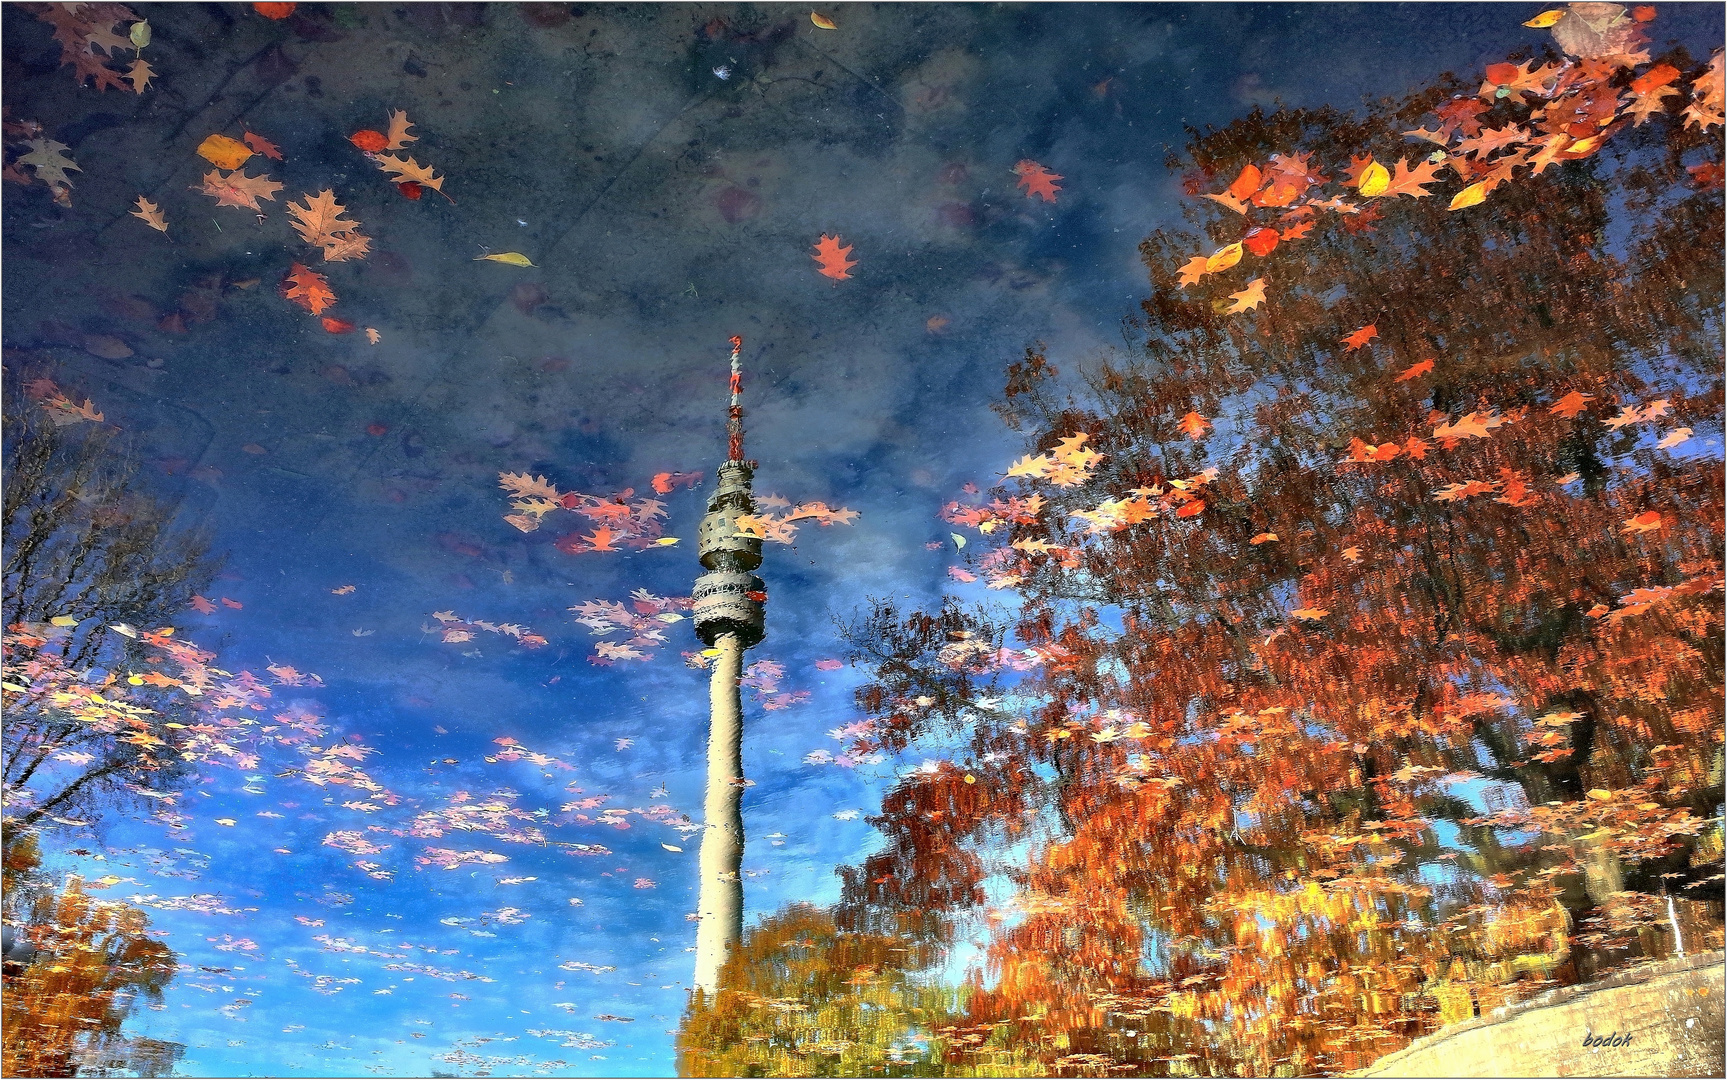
column 728, row 618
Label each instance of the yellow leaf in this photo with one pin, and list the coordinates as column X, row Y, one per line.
column 140, row 34
column 1472, row 195
column 514, row 258
column 135, row 680
column 1223, row 258
column 1584, row 146
column 63, row 620
column 665, row 541
column 223, row 152
column 1374, row 180
column 1600, row 793
column 710, row 653
column 1545, row 19
column 671, row 847
column 822, row 21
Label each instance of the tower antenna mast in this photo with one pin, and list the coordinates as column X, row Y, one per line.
column 729, row 619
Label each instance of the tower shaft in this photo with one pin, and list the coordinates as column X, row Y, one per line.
column 721, row 903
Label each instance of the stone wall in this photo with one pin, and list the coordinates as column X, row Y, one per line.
column 1671, row 1009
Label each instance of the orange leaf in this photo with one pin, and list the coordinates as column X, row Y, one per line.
column 1192, row 509
column 1408, row 181
column 832, row 259
column 1263, row 538
column 1248, row 298
column 1037, row 180
column 1280, row 192
column 308, row 288
column 1310, row 614
column 1192, row 270
column 1656, row 77
column 337, row 326
column 274, row 11
column 372, row 142
column 1570, row 405
column 223, row 152
column 1361, row 337
column 264, row 146
column 1261, row 241
column 1193, row 425
column 1247, row 183
column 203, row 605
column 1414, row 370
column 1647, row 521
column 601, row 539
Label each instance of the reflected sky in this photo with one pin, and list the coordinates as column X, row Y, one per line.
column 667, row 170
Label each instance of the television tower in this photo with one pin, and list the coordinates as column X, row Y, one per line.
column 728, row 617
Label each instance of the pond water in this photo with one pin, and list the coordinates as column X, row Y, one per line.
column 415, row 782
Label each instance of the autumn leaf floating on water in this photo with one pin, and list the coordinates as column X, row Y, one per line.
column 620, row 522
column 274, row 11
column 782, row 528
column 644, row 622
column 409, row 176
column 453, row 629
column 308, row 288
column 1037, row 180
column 822, row 21
column 150, row 214
column 223, row 152
column 1068, row 465
column 509, row 258
column 1360, row 337
column 832, row 260
column 86, row 33
column 1248, row 298
column 319, row 222
column 238, row 189
column 264, row 146
column 49, row 161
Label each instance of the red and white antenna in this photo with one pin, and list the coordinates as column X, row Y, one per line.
column 735, row 416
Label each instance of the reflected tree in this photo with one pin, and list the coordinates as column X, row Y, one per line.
column 1373, row 612
column 91, row 558
column 801, row 997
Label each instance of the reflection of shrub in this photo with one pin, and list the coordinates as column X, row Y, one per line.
column 93, row 962
column 800, row 998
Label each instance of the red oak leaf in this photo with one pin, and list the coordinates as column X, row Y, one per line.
column 832, row 259
column 1037, row 180
column 1361, row 337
